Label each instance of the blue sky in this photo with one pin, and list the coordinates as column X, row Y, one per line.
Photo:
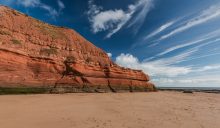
column 177, row 42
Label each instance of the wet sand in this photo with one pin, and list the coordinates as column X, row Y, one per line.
column 109, row 110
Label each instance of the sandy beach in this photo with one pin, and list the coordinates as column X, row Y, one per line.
column 109, row 110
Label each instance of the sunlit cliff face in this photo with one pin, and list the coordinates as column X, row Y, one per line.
column 176, row 42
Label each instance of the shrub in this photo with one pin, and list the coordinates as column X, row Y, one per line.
column 70, row 59
column 4, row 32
column 15, row 13
column 16, row 42
column 50, row 51
column 88, row 60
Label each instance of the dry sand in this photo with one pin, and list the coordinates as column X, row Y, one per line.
column 121, row 110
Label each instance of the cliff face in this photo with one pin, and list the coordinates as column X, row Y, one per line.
column 36, row 54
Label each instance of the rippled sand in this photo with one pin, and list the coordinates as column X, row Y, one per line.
column 121, row 110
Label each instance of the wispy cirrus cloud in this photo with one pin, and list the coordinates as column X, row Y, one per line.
column 30, row 3
column 192, row 50
column 198, row 42
column 37, row 4
column 61, row 5
column 143, row 7
column 202, row 56
column 160, row 29
column 183, row 62
column 113, row 20
column 203, row 17
column 154, row 33
column 203, row 38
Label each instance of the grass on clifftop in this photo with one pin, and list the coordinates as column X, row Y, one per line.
column 52, row 31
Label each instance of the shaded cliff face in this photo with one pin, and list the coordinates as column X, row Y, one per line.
column 36, row 54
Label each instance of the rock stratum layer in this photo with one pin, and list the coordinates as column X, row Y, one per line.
column 36, row 54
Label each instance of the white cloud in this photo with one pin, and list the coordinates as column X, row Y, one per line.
column 208, row 68
column 160, row 29
column 113, row 20
column 154, row 68
column 106, row 20
column 122, row 22
column 164, row 73
column 193, row 81
column 38, row 4
column 205, row 16
column 109, row 55
column 93, row 9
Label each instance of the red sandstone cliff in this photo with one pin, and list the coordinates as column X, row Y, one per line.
column 36, row 54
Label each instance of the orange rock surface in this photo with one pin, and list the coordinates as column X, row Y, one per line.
column 36, row 54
